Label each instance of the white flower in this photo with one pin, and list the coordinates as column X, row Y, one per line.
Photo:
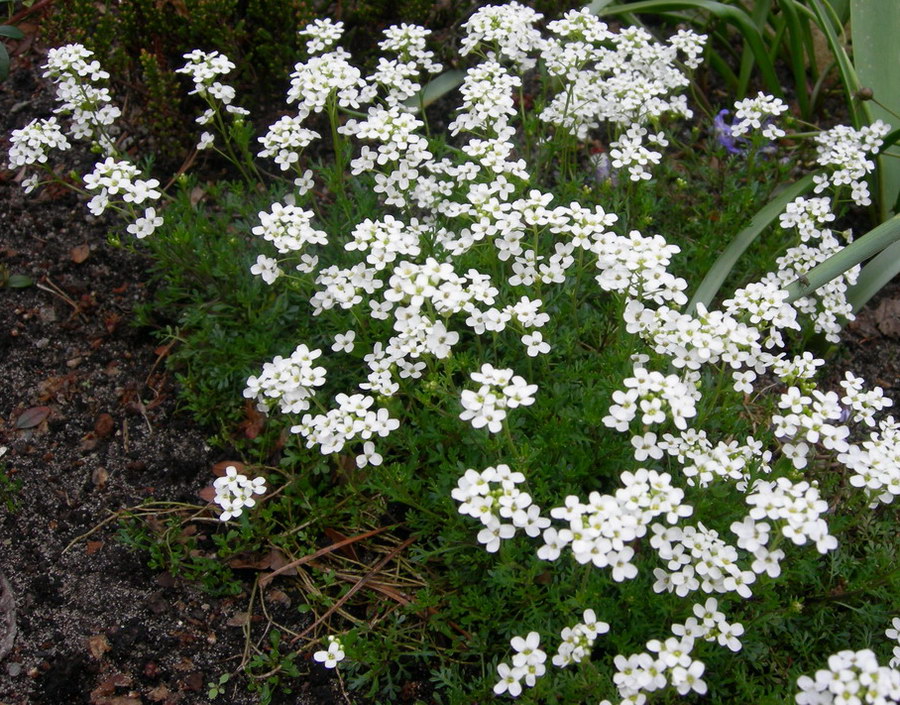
column 343, row 342
column 332, row 655
column 206, row 140
column 235, row 491
column 145, row 225
column 535, row 344
column 369, row 456
column 267, row 268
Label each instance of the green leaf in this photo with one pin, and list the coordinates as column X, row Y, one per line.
column 872, row 243
column 874, row 29
column 4, row 63
column 717, row 274
column 738, row 17
column 874, row 276
column 7, row 30
column 436, row 89
column 825, row 19
column 19, row 281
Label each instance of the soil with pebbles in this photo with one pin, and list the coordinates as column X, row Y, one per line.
column 88, row 413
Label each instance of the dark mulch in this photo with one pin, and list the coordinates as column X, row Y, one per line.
column 89, row 415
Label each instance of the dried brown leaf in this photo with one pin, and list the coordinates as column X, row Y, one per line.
column 887, row 317
column 99, row 645
column 32, row 417
column 80, row 253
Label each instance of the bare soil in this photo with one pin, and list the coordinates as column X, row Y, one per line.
column 88, row 413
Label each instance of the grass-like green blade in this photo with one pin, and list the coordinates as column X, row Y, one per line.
column 799, row 46
column 825, row 18
column 876, row 241
column 736, row 16
column 758, row 16
column 874, row 26
column 717, row 274
column 437, row 88
column 875, row 275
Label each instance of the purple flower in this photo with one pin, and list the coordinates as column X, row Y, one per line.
column 724, row 136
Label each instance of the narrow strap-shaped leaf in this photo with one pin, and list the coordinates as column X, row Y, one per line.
column 858, row 115
column 437, row 88
column 717, row 274
column 874, row 276
column 872, row 243
column 4, row 62
column 758, row 17
column 873, row 27
column 796, row 49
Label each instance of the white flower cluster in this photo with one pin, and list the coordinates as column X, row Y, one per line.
column 527, row 664
column 656, row 396
column 507, row 29
column 798, row 505
column 702, row 462
column 756, row 114
column 711, row 625
column 664, row 663
column 402, row 151
column 851, row 677
column 500, row 389
column 843, row 151
column 331, row 656
column 285, row 140
column 636, row 266
column 289, row 228
column 353, row 418
column 578, row 640
column 120, row 179
column 288, row 381
column 30, row 145
column 863, row 404
column 323, row 34
column 807, row 215
column 600, row 530
column 82, row 95
column 670, row 662
column 487, row 109
column 625, row 78
column 204, row 68
column 491, row 496
column 407, row 41
column 817, row 244
column 710, row 337
column 876, row 463
column 235, row 491
column 324, row 75
column 400, row 76
column 697, row 558
column 629, row 152
column 892, row 633
column 809, row 423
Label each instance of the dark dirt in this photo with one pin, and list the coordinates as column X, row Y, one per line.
column 88, row 414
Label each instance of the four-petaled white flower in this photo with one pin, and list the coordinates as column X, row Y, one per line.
column 331, row 656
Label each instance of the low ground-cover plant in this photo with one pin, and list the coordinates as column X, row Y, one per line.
column 542, row 474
